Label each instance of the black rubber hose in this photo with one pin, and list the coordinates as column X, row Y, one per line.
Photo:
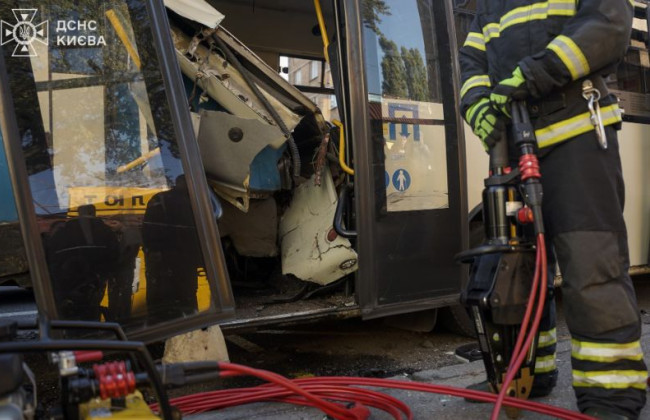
column 293, row 148
column 469, row 255
column 338, row 215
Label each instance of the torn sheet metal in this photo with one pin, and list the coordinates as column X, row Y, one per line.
column 225, row 84
column 238, row 197
column 287, row 93
column 307, row 252
column 197, row 10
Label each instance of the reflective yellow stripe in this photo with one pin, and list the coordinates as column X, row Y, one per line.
column 574, row 126
column 536, row 11
column 475, row 40
column 611, row 379
column 547, row 338
column 571, row 55
column 523, row 14
column 545, row 364
column 475, row 81
column 606, row 353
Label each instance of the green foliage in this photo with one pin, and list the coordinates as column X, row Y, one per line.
column 393, row 70
column 403, row 70
column 416, row 74
column 371, row 11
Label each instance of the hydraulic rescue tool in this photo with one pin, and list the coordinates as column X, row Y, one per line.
column 500, row 294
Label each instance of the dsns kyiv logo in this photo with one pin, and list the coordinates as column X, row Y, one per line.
column 23, row 33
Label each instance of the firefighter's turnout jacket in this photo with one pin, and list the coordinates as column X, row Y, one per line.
column 557, row 44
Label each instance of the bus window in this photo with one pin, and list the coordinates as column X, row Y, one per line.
column 632, row 78
column 314, row 79
column 404, row 87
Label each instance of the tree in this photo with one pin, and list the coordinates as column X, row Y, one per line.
column 416, row 74
column 371, row 11
column 393, row 70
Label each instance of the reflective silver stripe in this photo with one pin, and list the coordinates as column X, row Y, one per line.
column 611, row 379
column 524, row 14
column 562, row 7
column 545, row 364
column 606, row 353
column 571, row 127
column 475, row 81
column 491, row 30
column 571, row 55
column 536, row 11
column 475, row 40
column 547, row 338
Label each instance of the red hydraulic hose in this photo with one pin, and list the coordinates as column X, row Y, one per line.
column 340, row 388
column 529, row 307
column 233, row 397
column 335, row 410
column 518, row 358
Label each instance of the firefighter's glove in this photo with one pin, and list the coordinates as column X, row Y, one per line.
column 508, row 90
column 486, row 122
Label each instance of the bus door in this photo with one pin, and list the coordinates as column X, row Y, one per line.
column 116, row 215
column 411, row 209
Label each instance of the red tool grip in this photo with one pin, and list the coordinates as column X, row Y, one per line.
column 115, row 380
column 88, row 356
column 529, row 167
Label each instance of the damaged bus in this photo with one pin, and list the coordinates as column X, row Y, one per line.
column 247, row 163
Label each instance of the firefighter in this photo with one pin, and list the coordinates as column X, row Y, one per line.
column 555, row 55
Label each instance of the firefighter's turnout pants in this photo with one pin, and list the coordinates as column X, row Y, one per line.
column 583, row 218
column 559, row 47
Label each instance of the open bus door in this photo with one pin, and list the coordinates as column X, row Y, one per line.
column 411, row 211
column 86, row 90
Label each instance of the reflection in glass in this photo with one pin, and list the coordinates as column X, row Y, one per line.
column 82, row 254
column 172, row 253
column 104, row 165
column 405, row 101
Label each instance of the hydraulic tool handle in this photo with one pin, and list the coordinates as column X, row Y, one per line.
column 529, row 167
column 523, row 131
column 499, row 156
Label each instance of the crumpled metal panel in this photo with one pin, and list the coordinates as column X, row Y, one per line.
column 229, row 144
column 307, row 253
column 224, row 84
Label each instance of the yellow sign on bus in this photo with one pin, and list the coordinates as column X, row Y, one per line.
column 111, row 201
